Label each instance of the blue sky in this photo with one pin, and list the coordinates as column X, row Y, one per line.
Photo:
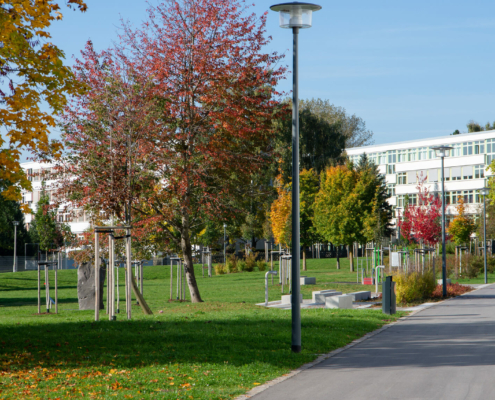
column 409, row 69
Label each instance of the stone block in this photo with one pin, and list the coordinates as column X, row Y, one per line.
column 319, row 298
column 307, row 280
column 315, row 292
column 440, row 282
column 86, row 286
column 343, row 301
column 286, row 299
column 359, row 296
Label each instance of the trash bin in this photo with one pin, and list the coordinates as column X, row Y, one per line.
column 388, row 296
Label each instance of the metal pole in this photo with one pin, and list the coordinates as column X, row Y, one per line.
column 129, row 273
column 444, row 253
column 484, row 234
column 15, row 248
column 296, row 306
column 39, row 287
column 224, row 235
column 56, row 282
column 97, row 278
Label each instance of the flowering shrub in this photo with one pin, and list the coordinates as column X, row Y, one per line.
column 414, row 286
column 453, row 290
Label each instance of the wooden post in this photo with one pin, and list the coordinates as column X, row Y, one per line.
column 118, row 288
column 47, row 287
column 39, row 288
column 129, row 273
column 171, row 278
column 183, row 272
column 56, row 281
column 97, row 277
column 141, row 275
column 110, row 285
column 178, row 280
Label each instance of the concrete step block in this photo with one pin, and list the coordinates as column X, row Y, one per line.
column 440, row 282
column 307, row 280
column 315, row 292
column 286, row 299
column 359, row 296
column 321, row 297
column 343, row 301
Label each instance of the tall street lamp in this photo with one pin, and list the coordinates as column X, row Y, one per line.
column 484, row 191
column 295, row 16
column 16, row 223
column 224, row 258
column 398, row 223
column 441, row 151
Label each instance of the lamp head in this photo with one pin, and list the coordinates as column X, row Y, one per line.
column 295, row 14
column 485, row 191
column 442, row 151
column 225, row 225
column 16, row 223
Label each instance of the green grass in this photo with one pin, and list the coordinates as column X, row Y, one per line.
column 213, row 350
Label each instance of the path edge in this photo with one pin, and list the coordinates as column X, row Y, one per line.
column 258, row 389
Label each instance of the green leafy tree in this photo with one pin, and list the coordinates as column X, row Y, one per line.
column 10, row 211
column 45, row 229
column 309, row 185
column 462, row 226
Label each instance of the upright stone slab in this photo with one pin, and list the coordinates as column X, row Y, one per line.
column 86, row 286
column 359, row 296
column 343, row 301
column 307, row 280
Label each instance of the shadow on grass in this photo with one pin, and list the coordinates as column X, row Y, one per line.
column 236, row 339
column 30, row 301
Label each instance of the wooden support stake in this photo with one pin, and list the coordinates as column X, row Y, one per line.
column 56, row 281
column 47, row 288
column 129, row 273
column 39, row 288
column 171, row 279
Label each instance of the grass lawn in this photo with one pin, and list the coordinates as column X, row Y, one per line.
column 213, row 350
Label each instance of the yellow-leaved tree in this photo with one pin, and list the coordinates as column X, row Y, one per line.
column 32, row 76
column 280, row 214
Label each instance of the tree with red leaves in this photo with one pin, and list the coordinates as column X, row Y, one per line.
column 422, row 222
column 177, row 120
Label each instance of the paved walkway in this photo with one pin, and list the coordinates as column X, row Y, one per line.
column 444, row 352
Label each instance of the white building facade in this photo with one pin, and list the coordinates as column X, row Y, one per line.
column 39, row 175
column 466, row 168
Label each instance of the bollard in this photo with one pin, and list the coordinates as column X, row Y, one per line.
column 266, row 284
column 388, row 296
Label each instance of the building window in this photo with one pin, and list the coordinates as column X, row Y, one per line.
column 479, row 147
column 382, row 158
column 431, row 153
column 467, row 149
column 455, row 196
column 413, row 199
column 391, row 190
column 411, row 155
column 468, row 196
column 457, row 150
column 490, row 150
column 422, row 153
column 479, row 171
column 467, row 172
column 391, row 169
column 455, row 173
column 402, row 155
column 392, row 156
column 402, row 178
column 372, row 158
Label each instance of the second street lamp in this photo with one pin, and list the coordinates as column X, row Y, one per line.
column 441, row 151
column 484, row 192
column 295, row 16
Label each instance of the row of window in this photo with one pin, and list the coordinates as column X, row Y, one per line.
column 434, row 175
column 427, row 153
column 469, row 197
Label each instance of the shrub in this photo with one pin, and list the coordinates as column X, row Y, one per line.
column 250, row 262
column 231, row 265
column 472, row 266
column 490, row 264
column 261, row 265
column 452, row 290
column 219, row 269
column 241, row 265
column 414, row 286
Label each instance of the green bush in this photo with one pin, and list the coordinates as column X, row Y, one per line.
column 261, row 265
column 241, row 265
column 250, row 262
column 219, row 269
column 231, row 264
column 472, row 266
column 414, row 286
column 490, row 264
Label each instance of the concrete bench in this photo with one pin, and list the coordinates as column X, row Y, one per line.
column 343, row 301
column 307, row 280
column 359, row 296
column 319, row 297
column 286, row 299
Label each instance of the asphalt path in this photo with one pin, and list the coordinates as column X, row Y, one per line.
column 444, row 352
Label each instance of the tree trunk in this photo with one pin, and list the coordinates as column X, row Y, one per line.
column 338, row 257
column 304, row 259
column 351, row 257
column 188, row 260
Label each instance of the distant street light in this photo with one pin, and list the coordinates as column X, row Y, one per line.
column 295, row 16
column 398, row 223
column 484, row 191
column 441, row 151
column 16, row 223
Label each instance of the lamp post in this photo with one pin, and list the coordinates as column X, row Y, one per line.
column 441, row 151
column 398, row 223
column 16, row 223
column 295, row 16
column 484, row 191
column 224, row 258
